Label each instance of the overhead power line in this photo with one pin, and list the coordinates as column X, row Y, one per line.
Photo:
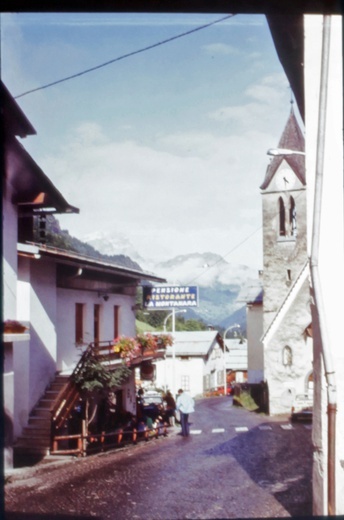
column 220, row 260
column 124, row 56
column 237, row 246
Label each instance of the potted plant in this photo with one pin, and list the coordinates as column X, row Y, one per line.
column 164, row 340
column 127, row 348
column 148, row 342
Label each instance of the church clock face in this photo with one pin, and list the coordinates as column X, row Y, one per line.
column 285, row 179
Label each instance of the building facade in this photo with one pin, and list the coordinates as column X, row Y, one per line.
column 194, row 363
column 255, row 348
column 323, row 77
column 286, row 300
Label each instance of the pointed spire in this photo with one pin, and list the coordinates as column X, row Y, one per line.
column 293, row 139
column 292, row 136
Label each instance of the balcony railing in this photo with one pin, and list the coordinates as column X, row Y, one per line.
column 103, row 352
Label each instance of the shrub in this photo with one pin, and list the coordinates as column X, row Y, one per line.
column 245, row 400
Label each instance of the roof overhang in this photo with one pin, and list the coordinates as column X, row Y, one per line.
column 287, row 31
column 286, row 304
column 15, row 121
column 192, row 344
column 33, row 191
column 74, row 269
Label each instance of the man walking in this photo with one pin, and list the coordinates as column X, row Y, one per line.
column 185, row 405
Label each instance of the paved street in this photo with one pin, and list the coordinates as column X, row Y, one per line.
column 235, row 464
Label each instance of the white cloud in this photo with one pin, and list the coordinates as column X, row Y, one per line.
column 220, row 48
column 267, row 95
column 191, row 191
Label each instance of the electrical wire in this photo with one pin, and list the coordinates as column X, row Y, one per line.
column 239, row 244
column 124, row 56
column 227, row 254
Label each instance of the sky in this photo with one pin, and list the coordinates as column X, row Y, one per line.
column 164, row 149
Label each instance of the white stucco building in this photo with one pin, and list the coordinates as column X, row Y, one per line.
column 255, row 347
column 194, row 363
column 324, row 166
column 236, row 359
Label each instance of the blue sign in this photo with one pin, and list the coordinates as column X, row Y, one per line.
column 163, row 297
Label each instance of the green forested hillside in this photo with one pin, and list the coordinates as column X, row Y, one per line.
column 61, row 239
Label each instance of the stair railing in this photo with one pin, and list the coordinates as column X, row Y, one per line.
column 70, row 393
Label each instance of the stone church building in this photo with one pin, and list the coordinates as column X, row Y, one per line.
column 286, row 336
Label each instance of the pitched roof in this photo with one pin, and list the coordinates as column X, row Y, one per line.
column 91, row 267
column 236, row 356
column 287, row 303
column 292, row 139
column 14, row 120
column 32, row 189
column 251, row 295
column 193, row 343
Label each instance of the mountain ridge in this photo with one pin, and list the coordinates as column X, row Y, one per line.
column 219, row 282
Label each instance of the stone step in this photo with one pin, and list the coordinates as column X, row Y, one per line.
column 61, row 377
column 31, row 450
column 37, row 426
column 42, row 412
column 51, row 394
column 36, row 436
column 28, row 434
column 57, row 386
column 46, row 403
column 39, row 421
column 32, row 443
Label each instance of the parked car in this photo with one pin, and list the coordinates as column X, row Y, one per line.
column 302, row 408
column 153, row 404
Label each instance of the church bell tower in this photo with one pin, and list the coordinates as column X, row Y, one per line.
column 286, row 296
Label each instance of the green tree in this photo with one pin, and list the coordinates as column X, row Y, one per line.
column 95, row 379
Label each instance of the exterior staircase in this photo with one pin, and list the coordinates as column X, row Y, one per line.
column 42, row 434
column 35, row 440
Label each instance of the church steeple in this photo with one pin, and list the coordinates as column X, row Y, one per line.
column 292, row 138
column 286, row 297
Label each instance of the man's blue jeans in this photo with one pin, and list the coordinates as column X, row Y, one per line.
column 184, row 419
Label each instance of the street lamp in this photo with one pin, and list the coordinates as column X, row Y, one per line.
column 235, row 326
column 283, row 151
column 173, row 314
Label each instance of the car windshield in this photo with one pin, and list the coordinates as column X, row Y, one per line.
column 152, row 398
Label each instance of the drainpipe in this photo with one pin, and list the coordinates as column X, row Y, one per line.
column 317, row 292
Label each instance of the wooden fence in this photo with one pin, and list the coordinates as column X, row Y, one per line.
column 86, row 443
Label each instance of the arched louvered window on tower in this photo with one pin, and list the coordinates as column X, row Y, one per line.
column 287, row 356
column 281, row 217
column 292, row 217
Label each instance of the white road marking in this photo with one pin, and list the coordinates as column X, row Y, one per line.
column 263, row 427
column 286, row 426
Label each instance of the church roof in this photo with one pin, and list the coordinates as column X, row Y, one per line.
column 287, row 303
column 292, row 139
